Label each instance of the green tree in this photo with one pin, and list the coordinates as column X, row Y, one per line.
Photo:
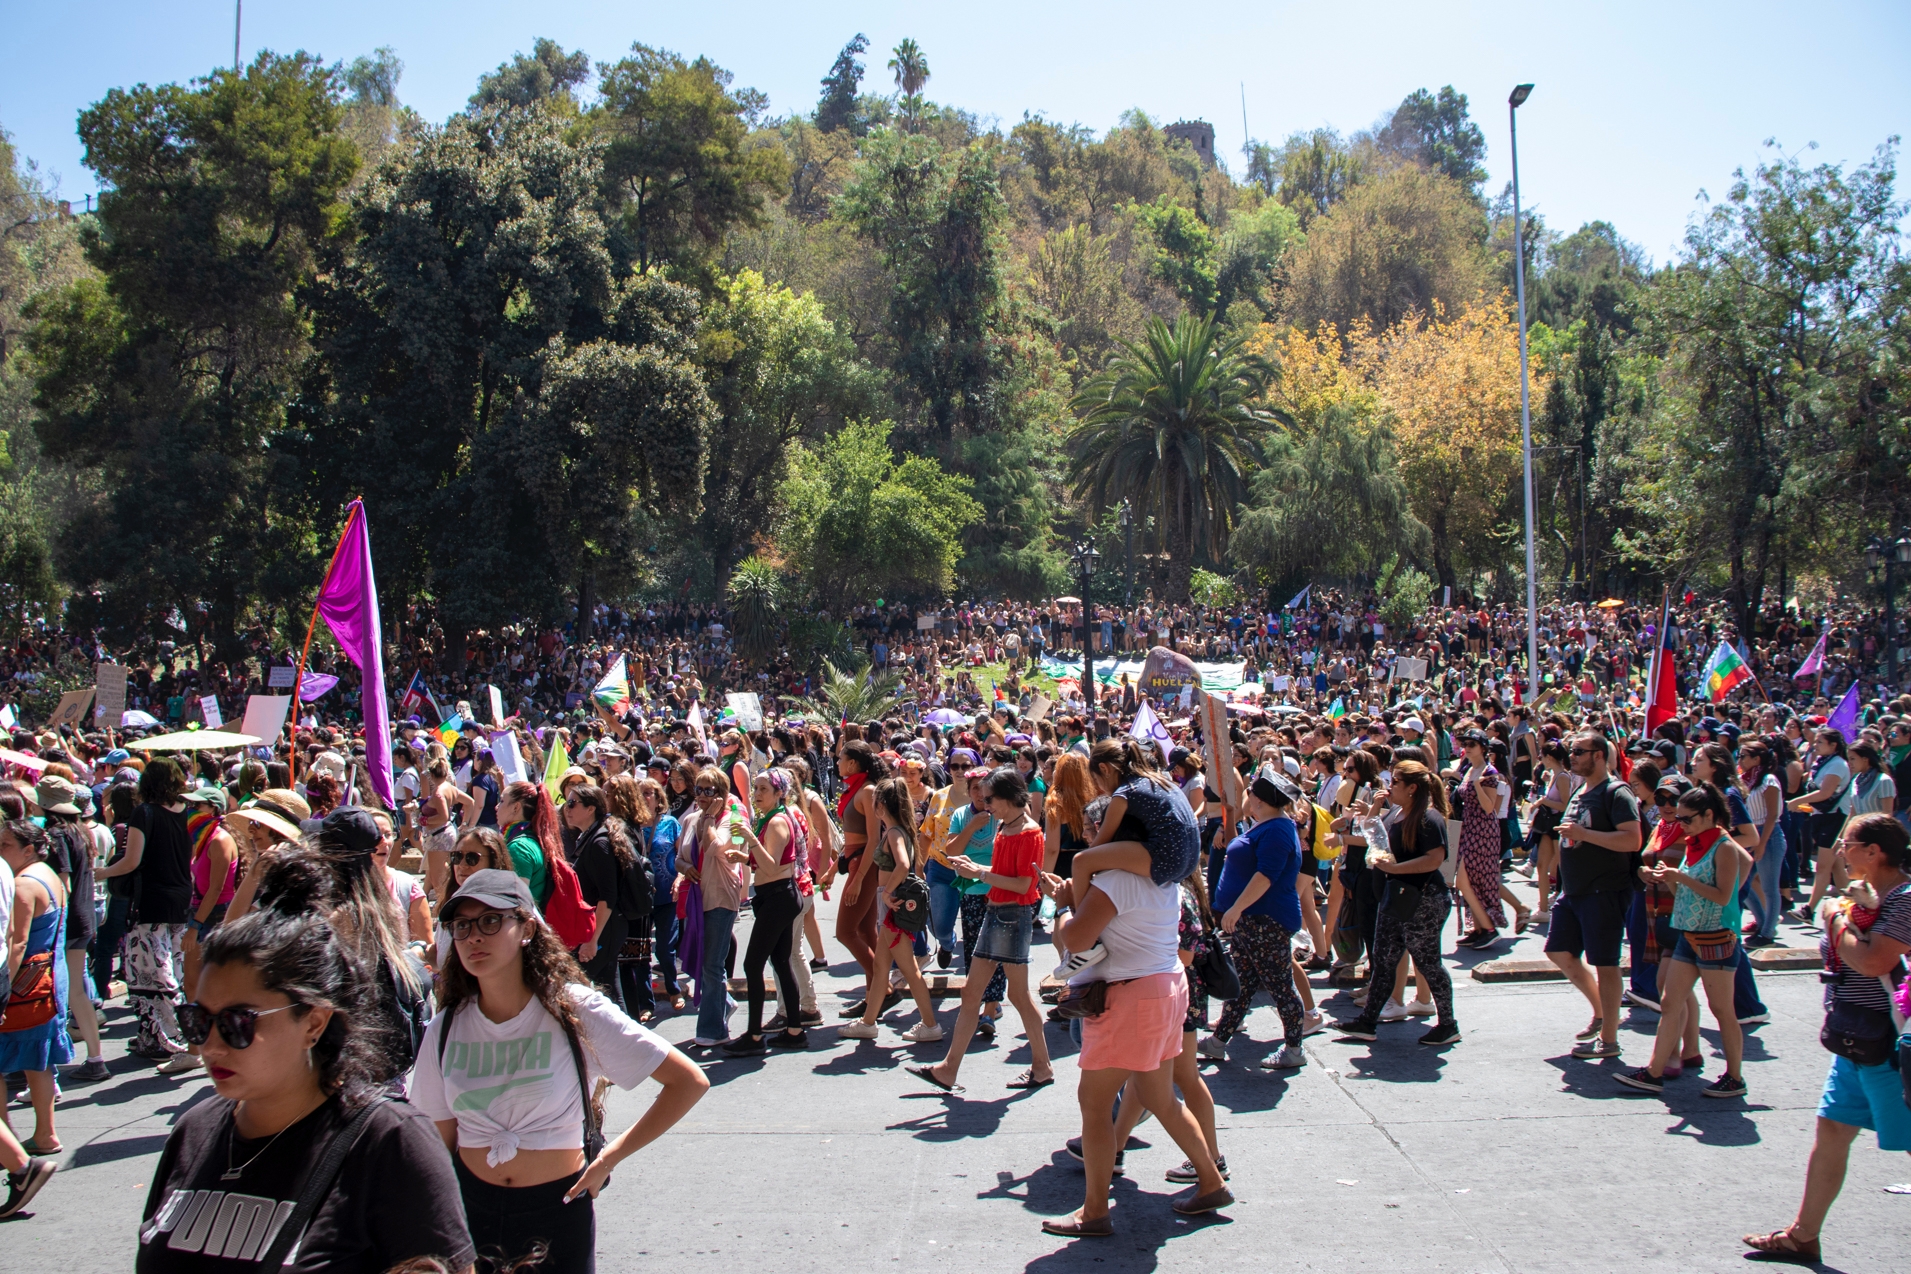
column 679, row 166
column 755, row 594
column 1435, row 132
column 1248, row 257
column 1174, row 425
column 911, row 69
column 850, row 692
column 171, row 374
column 836, row 109
column 864, row 524
column 1183, row 252
column 1310, row 173
column 548, row 77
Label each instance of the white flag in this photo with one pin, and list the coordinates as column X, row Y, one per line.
column 1148, row 729
column 1300, row 599
column 695, row 719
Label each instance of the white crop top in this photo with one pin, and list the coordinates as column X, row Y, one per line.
column 512, row 1085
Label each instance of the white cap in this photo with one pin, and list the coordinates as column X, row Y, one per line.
column 1414, row 724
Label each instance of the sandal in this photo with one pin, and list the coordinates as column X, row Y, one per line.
column 1027, row 1080
column 1074, row 1227
column 1520, row 921
column 677, row 1002
column 928, row 1075
column 1782, row 1245
column 35, row 1150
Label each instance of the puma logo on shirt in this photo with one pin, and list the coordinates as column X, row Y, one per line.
column 238, row 1227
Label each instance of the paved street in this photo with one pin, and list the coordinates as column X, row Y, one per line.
column 1502, row 1154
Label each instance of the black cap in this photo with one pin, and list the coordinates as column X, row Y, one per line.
column 1273, row 790
column 351, row 829
column 1180, row 756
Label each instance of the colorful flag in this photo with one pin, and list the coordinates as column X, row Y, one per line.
column 1814, row 662
column 1845, row 718
column 415, row 692
column 348, row 599
column 1724, row 672
column 1148, row 729
column 1336, row 710
column 613, row 692
column 554, row 767
column 1662, row 682
column 695, row 720
column 451, row 730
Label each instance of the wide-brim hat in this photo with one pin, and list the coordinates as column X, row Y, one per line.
column 278, row 808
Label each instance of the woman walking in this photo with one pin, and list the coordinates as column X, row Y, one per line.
column 1261, row 910
column 895, row 942
column 775, row 850
column 1759, row 775
column 530, row 1155
column 36, row 948
column 1482, row 802
column 615, row 886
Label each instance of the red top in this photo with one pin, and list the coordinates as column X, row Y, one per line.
column 1019, row 854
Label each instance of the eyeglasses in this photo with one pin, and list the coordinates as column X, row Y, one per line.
column 1686, row 820
column 572, row 804
column 237, row 1026
column 701, row 790
column 485, row 922
column 468, row 860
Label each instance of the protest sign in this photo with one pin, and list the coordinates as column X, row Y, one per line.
column 71, row 710
column 265, row 716
column 497, row 705
column 1407, row 668
column 504, row 750
column 209, row 708
column 281, row 677
column 1038, row 708
column 109, row 685
column 748, row 709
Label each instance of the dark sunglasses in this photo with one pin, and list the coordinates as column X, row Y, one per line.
column 1588, row 751
column 237, row 1027
column 468, row 860
column 1686, row 820
column 485, row 922
column 701, row 790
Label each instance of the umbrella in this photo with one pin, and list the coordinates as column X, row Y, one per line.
column 1068, row 601
column 21, row 759
column 197, row 741
column 133, row 717
column 945, row 716
column 1284, row 709
column 1611, row 603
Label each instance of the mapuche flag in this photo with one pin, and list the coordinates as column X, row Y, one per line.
column 613, row 692
column 1724, row 672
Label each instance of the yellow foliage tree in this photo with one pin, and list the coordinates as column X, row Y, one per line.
column 1452, row 390
column 1312, row 373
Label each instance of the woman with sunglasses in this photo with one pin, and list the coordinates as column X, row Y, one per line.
column 283, row 1015
column 895, row 861
column 775, row 851
column 477, row 849
column 822, row 853
column 526, row 1154
column 1705, row 922
column 711, row 903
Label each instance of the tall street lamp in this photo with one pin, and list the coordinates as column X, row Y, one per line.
column 1086, row 559
column 1889, row 554
column 1128, row 540
column 1520, row 94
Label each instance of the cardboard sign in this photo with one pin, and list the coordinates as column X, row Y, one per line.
column 1281, row 682
column 497, row 705
column 209, row 708
column 281, row 677
column 504, row 750
column 748, row 709
column 926, row 623
column 265, row 716
column 72, row 708
column 1038, row 708
column 109, row 684
column 1166, row 672
column 1406, row 668
column 1211, row 712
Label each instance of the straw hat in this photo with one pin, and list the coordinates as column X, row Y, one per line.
column 278, row 808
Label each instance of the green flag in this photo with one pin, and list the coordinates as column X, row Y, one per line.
column 554, row 768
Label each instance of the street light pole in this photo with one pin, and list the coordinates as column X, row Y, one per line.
column 1085, row 559
column 238, row 10
column 1128, row 538
column 1520, row 94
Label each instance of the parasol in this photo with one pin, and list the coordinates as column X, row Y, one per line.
column 197, row 741
column 1068, row 601
column 32, row 764
column 1611, row 603
column 945, row 716
column 134, row 719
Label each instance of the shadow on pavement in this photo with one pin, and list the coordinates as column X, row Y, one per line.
column 94, row 1152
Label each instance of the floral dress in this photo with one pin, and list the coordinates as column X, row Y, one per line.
column 1480, row 850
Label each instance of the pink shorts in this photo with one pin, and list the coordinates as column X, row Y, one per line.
column 1141, row 1028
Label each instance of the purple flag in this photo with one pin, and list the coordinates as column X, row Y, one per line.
column 348, row 600
column 315, row 685
column 1845, row 719
column 1814, row 662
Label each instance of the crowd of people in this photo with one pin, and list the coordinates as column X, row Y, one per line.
column 495, row 949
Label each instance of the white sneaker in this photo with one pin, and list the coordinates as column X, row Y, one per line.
column 856, row 1031
column 1313, row 1023
column 1288, row 1058
column 180, row 1064
column 1393, row 1011
column 1359, row 998
column 1213, row 1048
column 1079, row 960
column 923, row 1033
column 1421, row 1008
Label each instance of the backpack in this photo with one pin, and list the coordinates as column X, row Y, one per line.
column 574, row 920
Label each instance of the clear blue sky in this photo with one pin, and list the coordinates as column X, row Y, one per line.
column 1639, row 106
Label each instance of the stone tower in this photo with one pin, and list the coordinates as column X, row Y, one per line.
column 1198, row 134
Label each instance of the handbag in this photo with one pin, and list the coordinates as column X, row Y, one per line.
column 1403, row 900
column 1859, row 1034
column 1084, row 999
column 574, row 920
column 1213, row 964
column 30, row 1002
column 1713, row 945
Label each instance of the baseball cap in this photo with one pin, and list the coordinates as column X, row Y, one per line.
column 213, row 796
column 503, row 890
column 351, row 828
column 1414, row 724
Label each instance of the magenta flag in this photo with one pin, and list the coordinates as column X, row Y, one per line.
column 316, row 685
column 1844, row 717
column 348, row 600
column 1814, row 662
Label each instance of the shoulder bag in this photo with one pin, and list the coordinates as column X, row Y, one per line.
column 909, row 908
column 1214, row 966
column 315, row 1188
column 31, row 1000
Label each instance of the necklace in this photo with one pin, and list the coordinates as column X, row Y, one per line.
column 232, row 1131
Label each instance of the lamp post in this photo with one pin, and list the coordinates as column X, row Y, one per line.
column 1086, row 559
column 1889, row 554
column 1520, row 93
column 1128, row 541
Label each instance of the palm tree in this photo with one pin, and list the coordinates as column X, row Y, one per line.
column 911, row 69
column 852, row 694
column 755, row 593
column 1173, row 423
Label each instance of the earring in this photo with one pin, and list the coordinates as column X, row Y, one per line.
column 524, row 942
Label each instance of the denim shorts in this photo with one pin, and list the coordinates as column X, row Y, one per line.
column 1006, row 933
column 1685, row 954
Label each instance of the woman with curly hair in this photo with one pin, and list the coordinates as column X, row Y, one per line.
column 508, row 1071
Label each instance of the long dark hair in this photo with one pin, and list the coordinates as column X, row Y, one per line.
column 548, row 969
column 1125, row 757
column 896, row 807
column 1428, row 793
column 615, row 829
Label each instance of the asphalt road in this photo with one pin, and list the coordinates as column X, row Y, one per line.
column 1500, row 1154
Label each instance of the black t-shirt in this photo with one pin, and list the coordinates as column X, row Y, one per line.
column 72, row 857
column 162, row 883
column 396, row 1196
column 1585, row 868
column 1431, row 835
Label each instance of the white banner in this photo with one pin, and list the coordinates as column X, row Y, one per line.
column 504, row 750
column 281, row 677
column 209, row 709
column 109, row 683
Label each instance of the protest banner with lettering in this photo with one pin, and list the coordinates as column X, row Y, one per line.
column 71, row 710
column 209, row 708
column 109, row 685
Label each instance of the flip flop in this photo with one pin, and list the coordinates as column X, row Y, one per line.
column 38, row 1151
column 1520, row 922
column 1071, row 1227
column 928, row 1075
column 1027, row 1080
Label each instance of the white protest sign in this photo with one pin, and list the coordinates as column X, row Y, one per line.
column 109, row 681
column 1281, row 682
column 497, row 705
column 1038, row 708
column 504, row 750
column 265, row 716
column 281, row 677
column 1407, row 668
column 209, row 708
column 925, row 623
column 748, row 708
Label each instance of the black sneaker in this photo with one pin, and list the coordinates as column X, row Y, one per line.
column 1074, row 1148
column 1186, row 1175
column 90, row 1071
column 23, row 1185
column 854, row 1010
column 1642, row 1079
column 1442, row 1033
column 1724, row 1086
column 810, row 1017
column 748, row 1046
column 796, row 1043
column 819, row 965
column 944, row 958
column 1360, row 1029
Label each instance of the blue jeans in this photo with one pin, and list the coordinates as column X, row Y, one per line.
column 1763, row 881
column 945, row 904
column 1644, row 977
column 663, row 951
column 1745, row 1001
column 106, row 942
column 713, row 1012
